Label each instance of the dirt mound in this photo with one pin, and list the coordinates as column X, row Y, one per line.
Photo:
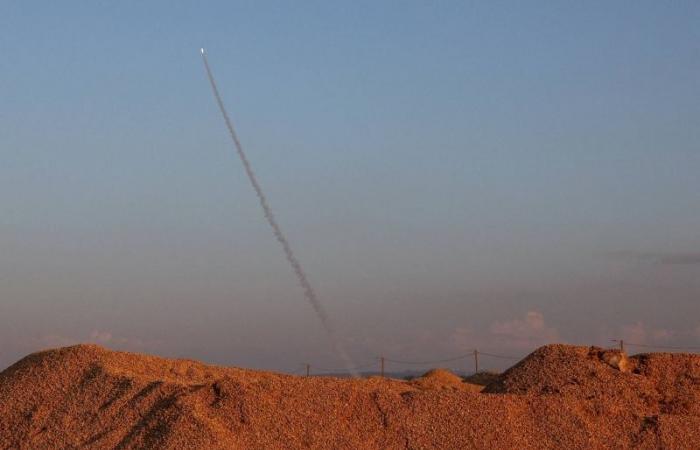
column 90, row 397
column 651, row 384
column 443, row 379
column 562, row 369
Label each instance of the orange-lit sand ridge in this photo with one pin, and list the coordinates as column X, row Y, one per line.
column 558, row 397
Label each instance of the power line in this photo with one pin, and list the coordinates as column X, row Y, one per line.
column 472, row 354
column 499, row 356
column 455, row 358
column 667, row 347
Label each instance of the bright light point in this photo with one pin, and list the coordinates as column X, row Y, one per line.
column 201, row 50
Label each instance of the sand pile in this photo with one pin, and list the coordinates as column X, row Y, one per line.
column 443, row 379
column 652, row 383
column 90, row 397
column 570, row 370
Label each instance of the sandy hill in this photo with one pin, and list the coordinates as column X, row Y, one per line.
column 558, row 397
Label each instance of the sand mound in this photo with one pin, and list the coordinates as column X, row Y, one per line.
column 443, row 379
column 563, row 369
column 90, row 397
column 649, row 383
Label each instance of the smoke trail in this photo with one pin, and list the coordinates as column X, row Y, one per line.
column 309, row 292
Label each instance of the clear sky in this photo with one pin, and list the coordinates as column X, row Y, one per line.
column 452, row 174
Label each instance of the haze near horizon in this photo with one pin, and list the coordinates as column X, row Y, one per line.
column 492, row 176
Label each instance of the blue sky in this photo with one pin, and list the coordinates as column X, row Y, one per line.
column 452, row 175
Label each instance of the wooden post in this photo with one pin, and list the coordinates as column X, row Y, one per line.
column 381, row 358
column 476, row 361
column 622, row 345
column 308, row 370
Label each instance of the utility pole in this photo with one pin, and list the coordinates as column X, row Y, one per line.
column 621, row 342
column 476, row 361
column 381, row 358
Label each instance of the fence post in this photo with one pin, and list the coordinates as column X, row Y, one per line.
column 308, row 369
column 622, row 345
column 381, row 358
column 476, row 361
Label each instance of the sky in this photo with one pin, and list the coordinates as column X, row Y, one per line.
column 452, row 175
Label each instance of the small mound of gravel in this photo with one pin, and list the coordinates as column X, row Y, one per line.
column 443, row 379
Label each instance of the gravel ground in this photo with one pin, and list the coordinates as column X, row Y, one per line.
column 558, row 397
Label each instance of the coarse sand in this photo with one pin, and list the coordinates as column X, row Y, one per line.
column 558, row 397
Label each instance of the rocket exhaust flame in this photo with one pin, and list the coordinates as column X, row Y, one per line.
column 293, row 261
